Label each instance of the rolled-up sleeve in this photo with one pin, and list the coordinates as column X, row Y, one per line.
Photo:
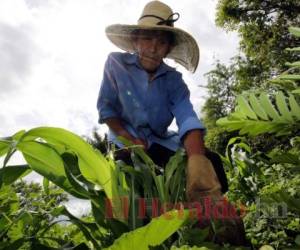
column 107, row 103
column 181, row 106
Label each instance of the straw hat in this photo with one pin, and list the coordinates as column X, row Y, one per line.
column 158, row 16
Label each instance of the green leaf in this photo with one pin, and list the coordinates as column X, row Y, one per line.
column 268, row 107
column 254, row 102
column 297, row 49
column 46, row 185
column 18, row 135
column 282, row 107
column 280, row 157
column 153, row 234
column 297, row 240
column 159, row 182
column 295, row 31
column 86, row 228
column 46, row 161
column 16, row 244
column 293, row 64
column 245, row 107
column 4, row 147
column 266, row 247
column 295, row 108
column 296, row 91
column 10, row 174
column 71, row 163
column 93, row 165
column 289, row 77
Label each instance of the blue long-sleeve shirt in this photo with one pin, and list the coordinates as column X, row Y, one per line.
column 145, row 107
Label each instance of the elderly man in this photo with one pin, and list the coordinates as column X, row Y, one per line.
column 140, row 95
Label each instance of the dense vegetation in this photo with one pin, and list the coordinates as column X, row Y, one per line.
column 260, row 135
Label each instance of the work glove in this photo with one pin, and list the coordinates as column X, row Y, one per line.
column 201, row 179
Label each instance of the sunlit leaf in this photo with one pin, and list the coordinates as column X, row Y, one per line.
column 47, row 162
column 257, row 107
column 295, row 31
column 282, row 106
column 268, row 107
column 148, row 235
column 245, row 107
column 10, row 174
column 92, row 163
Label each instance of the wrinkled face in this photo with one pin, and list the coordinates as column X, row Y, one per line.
column 152, row 47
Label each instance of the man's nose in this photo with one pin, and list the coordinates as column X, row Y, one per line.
column 153, row 44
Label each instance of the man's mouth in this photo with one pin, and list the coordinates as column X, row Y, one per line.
column 151, row 58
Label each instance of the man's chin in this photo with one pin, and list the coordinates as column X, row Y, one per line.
column 150, row 68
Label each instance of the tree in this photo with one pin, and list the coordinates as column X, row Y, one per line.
column 263, row 30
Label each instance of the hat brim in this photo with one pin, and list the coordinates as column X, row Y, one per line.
column 185, row 52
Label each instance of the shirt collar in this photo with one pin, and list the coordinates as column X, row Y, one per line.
column 133, row 59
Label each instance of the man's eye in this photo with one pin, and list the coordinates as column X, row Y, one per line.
column 147, row 38
column 163, row 41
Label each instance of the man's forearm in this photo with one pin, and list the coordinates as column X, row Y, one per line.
column 193, row 142
column 115, row 124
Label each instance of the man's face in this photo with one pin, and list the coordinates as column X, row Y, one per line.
column 152, row 47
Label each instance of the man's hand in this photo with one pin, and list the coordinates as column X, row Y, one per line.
column 202, row 179
column 138, row 141
column 115, row 124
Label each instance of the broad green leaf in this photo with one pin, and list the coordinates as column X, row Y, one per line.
column 153, row 234
column 245, row 107
column 10, row 174
column 254, row 102
column 99, row 212
column 46, row 161
column 18, row 135
column 70, row 163
column 230, row 125
column 268, row 107
column 4, row 147
column 295, row 108
column 87, row 228
column 282, row 107
column 295, row 31
column 92, row 163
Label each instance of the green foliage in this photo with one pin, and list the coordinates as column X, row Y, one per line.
column 254, row 116
column 267, row 179
column 69, row 162
column 265, row 47
column 146, row 236
column 28, row 219
column 258, row 21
